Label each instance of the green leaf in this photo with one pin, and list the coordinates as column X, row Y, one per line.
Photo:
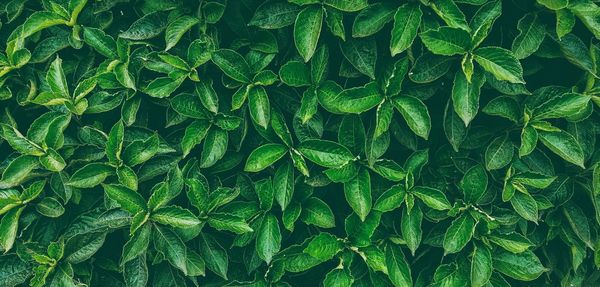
column 578, row 222
column 232, row 64
column 358, row 193
column 137, row 244
column 325, row 153
column 177, row 28
column 114, row 144
column 283, row 183
column 260, row 108
column 372, row 19
column 398, row 269
column 347, row 5
column 223, row 221
column 50, row 207
column 265, row 192
column 459, row 233
column 128, row 199
column 450, row 13
column 358, row 100
column 483, row 20
column 171, row 246
column 194, row 134
column 19, row 142
column 352, row 134
column 274, row 15
column 268, row 238
column 208, row 96
column 338, row 278
column 295, row 74
column 525, row 266
column 90, row 175
column 214, row 254
column 139, row 151
column 101, row 42
column 147, row 27
column 36, row 22
column 318, row 213
column 406, row 24
column 56, row 79
column 430, row 67
column 447, row 41
column 432, row 197
column 390, row 199
column 8, row 228
column 561, row 106
column 503, row 106
column 454, row 127
column 576, row 52
column 264, row 156
column 554, row 4
column 214, row 148
column 175, row 216
column 565, row 21
column 14, row 271
column 531, row 35
column 564, row 145
column 415, row 113
column 335, row 23
column 410, row 225
column 323, row 246
column 362, row 54
column 465, row 95
column 499, row 153
column 481, row 265
column 513, row 242
column 307, row 29
column 163, row 87
column 525, row 205
column 474, row 183
column 189, row 105
column 501, row 63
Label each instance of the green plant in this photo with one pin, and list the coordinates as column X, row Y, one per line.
column 299, row 143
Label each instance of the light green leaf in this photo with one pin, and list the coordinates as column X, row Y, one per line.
column 415, row 114
column 459, row 233
column 499, row 153
column 147, row 27
column 398, row 269
column 325, row 153
column 406, row 24
column 232, row 64
column 372, row 19
column 177, row 28
column 268, row 238
column 465, row 95
column 501, row 63
column 175, row 216
column 447, row 41
column 264, row 156
column 260, row 108
column 525, row 266
column 531, row 34
column 307, row 29
column 564, row 145
column 128, row 199
column 481, row 265
column 358, row 193
column 432, row 197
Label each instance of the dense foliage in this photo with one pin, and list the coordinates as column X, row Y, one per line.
column 299, row 143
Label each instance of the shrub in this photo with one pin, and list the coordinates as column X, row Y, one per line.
column 299, row 143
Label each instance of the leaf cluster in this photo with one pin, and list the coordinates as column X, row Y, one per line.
column 299, row 143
